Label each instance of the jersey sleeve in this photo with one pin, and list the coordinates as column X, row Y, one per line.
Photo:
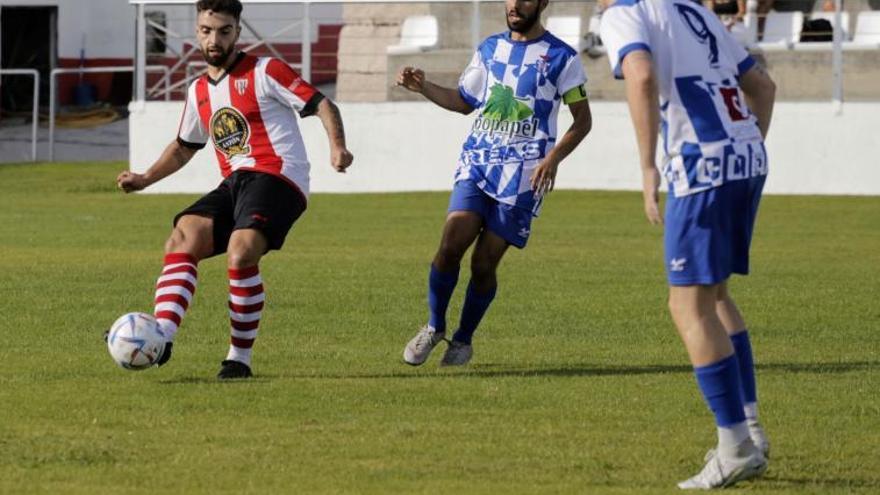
column 570, row 85
column 289, row 88
column 737, row 52
column 472, row 83
column 191, row 132
column 623, row 32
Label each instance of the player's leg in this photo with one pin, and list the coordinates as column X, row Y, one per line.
column 246, row 298
column 505, row 226
column 190, row 241
column 198, row 233
column 697, row 244
column 460, row 230
column 489, row 250
column 265, row 210
column 715, row 366
column 744, row 198
column 735, row 326
column 464, row 221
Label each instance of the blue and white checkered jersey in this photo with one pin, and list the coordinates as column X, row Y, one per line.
column 709, row 134
column 517, row 87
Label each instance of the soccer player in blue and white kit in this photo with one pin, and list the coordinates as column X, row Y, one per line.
column 517, row 80
column 714, row 110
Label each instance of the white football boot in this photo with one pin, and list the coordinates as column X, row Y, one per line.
column 723, row 471
column 419, row 348
column 457, row 354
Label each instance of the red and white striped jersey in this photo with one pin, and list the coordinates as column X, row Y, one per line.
column 247, row 114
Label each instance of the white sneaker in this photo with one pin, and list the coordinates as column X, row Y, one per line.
column 723, row 472
column 759, row 438
column 419, row 348
column 457, row 354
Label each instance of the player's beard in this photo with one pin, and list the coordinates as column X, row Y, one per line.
column 526, row 23
column 217, row 60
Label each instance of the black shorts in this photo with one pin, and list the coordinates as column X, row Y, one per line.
column 249, row 200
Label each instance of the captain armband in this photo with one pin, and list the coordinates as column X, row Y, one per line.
column 574, row 95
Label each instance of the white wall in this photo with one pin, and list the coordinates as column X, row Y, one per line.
column 107, row 24
column 414, row 146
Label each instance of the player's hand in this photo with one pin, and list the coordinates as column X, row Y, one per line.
column 650, row 186
column 340, row 159
column 544, row 177
column 412, row 79
column 130, row 181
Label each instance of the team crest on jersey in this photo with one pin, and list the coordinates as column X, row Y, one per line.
column 241, row 86
column 230, row 132
column 542, row 65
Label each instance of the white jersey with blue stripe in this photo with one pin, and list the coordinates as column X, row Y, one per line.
column 709, row 134
column 517, row 87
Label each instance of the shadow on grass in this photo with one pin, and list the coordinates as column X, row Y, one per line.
column 212, row 380
column 498, row 370
column 821, row 483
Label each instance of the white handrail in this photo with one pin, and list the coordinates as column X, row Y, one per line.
column 87, row 70
column 35, row 114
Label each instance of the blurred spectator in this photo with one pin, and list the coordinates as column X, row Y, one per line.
column 731, row 13
column 764, row 7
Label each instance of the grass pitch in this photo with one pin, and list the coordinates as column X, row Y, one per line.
column 578, row 385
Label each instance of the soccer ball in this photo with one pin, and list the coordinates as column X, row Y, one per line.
column 135, row 341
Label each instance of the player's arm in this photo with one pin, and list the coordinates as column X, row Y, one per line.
column 340, row 157
column 642, row 96
column 544, row 177
column 760, row 92
column 414, row 80
column 175, row 156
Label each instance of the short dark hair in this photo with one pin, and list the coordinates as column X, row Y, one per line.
column 231, row 7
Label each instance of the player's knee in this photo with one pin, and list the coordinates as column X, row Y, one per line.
column 193, row 241
column 482, row 271
column 447, row 258
column 242, row 257
column 176, row 242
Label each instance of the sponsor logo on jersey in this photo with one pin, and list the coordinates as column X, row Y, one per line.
column 505, row 115
column 230, row 132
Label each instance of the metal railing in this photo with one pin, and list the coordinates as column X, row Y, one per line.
column 36, row 110
column 140, row 92
column 89, row 70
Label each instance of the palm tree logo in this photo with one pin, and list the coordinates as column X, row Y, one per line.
column 502, row 105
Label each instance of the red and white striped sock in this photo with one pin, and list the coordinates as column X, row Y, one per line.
column 246, row 298
column 174, row 291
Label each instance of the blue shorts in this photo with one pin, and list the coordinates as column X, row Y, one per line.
column 707, row 234
column 508, row 222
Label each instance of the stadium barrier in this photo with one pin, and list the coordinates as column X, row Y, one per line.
column 35, row 112
column 413, row 146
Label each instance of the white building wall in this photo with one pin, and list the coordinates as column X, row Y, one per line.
column 108, row 26
column 414, row 147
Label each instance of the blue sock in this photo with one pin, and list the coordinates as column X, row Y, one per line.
column 743, row 349
column 475, row 306
column 440, row 288
column 720, row 385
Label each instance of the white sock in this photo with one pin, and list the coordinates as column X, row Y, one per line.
column 751, row 410
column 731, row 437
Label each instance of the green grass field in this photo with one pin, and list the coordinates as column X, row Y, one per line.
column 579, row 383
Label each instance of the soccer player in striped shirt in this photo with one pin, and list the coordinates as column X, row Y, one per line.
column 687, row 76
column 517, row 80
column 245, row 106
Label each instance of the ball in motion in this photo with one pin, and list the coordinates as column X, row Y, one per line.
column 135, row 341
